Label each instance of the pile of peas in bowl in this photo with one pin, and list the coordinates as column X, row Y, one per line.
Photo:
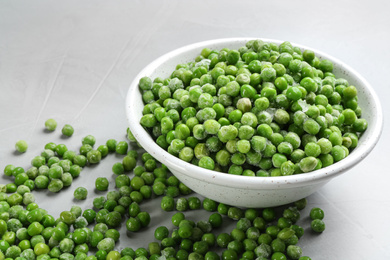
column 261, row 110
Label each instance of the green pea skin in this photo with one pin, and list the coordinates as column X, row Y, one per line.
column 338, row 153
column 317, row 225
column 232, row 57
column 167, row 203
column 94, row 156
column 21, row 146
column 41, row 248
column 101, row 183
column 227, row 133
column 51, row 124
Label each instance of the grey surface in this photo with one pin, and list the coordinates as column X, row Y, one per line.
column 74, row 60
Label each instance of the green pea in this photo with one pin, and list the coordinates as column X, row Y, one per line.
column 194, row 203
column 338, row 152
column 232, row 57
column 316, row 213
column 207, row 163
column 41, row 248
column 51, row 124
column 312, row 149
column 21, row 146
column 67, row 130
column 94, row 156
column 318, row 225
column 121, row 147
column 101, row 183
column 167, row 203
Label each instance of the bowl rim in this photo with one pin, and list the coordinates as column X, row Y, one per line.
column 247, row 182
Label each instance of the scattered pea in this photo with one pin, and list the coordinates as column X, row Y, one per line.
column 21, row 146
column 80, row 193
column 318, row 225
column 101, row 183
column 51, row 124
column 67, row 130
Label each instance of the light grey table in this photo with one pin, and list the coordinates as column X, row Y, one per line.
column 74, row 60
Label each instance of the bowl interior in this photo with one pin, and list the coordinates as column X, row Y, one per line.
column 163, row 67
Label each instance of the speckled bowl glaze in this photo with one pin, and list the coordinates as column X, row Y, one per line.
column 247, row 191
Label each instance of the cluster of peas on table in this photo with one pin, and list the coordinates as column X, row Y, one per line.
column 261, row 110
column 29, row 232
column 269, row 233
column 32, row 233
column 57, row 166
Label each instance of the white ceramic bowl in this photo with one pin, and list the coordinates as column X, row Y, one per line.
column 243, row 190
